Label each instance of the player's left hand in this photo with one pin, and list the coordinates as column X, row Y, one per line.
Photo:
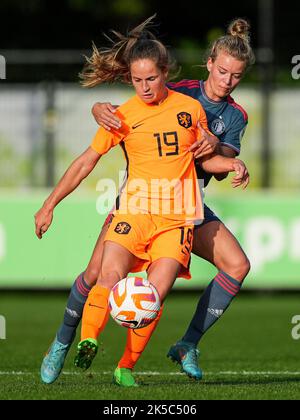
column 206, row 146
column 242, row 177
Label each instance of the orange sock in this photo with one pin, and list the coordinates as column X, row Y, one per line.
column 136, row 343
column 95, row 312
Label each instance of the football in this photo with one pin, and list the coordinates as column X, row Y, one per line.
column 134, row 302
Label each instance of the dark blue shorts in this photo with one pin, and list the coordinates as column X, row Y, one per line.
column 209, row 216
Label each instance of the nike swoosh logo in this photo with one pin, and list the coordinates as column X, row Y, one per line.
column 136, row 126
column 100, row 307
column 135, row 323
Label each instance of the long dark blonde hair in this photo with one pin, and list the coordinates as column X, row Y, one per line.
column 108, row 65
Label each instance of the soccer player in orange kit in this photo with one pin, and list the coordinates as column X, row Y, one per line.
column 159, row 126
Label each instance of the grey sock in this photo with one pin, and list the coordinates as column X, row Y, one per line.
column 212, row 304
column 73, row 311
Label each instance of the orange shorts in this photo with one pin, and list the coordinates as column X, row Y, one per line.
column 150, row 237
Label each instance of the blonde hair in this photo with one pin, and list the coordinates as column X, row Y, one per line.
column 236, row 43
column 109, row 65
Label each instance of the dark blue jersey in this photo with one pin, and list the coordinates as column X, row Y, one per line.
column 226, row 119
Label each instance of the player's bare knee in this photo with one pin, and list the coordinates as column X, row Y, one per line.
column 91, row 275
column 238, row 268
column 108, row 278
column 246, row 267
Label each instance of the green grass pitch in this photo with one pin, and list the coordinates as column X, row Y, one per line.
column 248, row 354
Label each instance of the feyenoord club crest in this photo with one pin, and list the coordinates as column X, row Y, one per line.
column 218, row 127
column 185, row 119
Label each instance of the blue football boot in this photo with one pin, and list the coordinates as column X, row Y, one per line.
column 54, row 361
column 186, row 355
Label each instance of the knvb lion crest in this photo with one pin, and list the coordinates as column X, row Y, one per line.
column 122, row 228
column 185, row 119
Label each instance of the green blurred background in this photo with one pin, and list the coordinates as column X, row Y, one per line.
column 45, row 121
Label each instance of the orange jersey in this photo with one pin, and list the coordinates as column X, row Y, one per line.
column 155, row 139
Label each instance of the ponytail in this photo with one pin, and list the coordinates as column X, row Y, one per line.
column 113, row 64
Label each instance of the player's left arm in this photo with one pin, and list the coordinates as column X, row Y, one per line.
column 217, row 164
column 227, row 152
column 230, row 146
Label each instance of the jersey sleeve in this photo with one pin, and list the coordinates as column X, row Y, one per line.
column 233, row 137
column 202, row 121
column 105, row 140
column 187, row 87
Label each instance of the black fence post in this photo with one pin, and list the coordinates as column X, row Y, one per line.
column 266, row 61
column 50, row 123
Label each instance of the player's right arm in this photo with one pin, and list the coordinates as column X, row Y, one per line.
column 75, row 174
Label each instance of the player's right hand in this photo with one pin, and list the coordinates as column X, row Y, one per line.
column 104, row 115
column 242, row 177
column 43, row 219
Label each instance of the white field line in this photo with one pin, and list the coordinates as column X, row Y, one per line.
column 227, row 373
